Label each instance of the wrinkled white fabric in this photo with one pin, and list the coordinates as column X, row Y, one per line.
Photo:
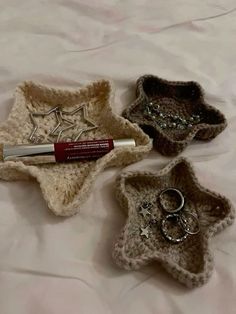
column 53, row 265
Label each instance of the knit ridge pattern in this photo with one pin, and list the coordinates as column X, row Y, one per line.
column 176, row 98
column 191, row 261
column 66, row 186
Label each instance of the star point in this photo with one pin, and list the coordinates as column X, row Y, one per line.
column 86, row 118
column 66, row 186
column 144, row 212
column 178, row 258
column 144, row 232
column 174, row 97
column 59, row 129
column 33, row 137
column 62, row 124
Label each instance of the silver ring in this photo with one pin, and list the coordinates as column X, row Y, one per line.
column 165, row 233
column 180, row 196
column 184, row 225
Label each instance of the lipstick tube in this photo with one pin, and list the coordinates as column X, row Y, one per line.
column 63, row 152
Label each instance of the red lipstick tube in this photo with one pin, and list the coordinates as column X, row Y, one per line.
column 62, row 152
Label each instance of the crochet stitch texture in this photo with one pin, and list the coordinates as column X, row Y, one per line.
column 190, row 262
column 66, row 186
column 176, row 98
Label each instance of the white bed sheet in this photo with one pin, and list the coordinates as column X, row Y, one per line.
column 51, row 265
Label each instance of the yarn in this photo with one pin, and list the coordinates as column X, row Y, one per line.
column 65, row 187
column 190, row 262
column 183, row 99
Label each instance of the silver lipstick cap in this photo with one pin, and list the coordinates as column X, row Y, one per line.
column 124, row 142
column 11, row 152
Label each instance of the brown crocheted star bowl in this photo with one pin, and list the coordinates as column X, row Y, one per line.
column 173, row 113
column 189, row 261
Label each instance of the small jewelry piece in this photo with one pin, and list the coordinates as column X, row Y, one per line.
column 37, row 139
column 59, row 129
column 86, row 118
column 180, row 196
column 153, row 221
column 32, row 137
column 62, row 125
column 178, row 215
column 165, row 230
column 152, row 111
column 187, row 227
column 144, row 232
column 144, row 212
column 144, row 209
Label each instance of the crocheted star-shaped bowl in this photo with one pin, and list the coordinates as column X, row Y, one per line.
column 66, row 186
column 142, row 239
column 173, row 113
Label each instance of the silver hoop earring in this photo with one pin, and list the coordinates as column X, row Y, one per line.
column 180, row 197
column 165, row 230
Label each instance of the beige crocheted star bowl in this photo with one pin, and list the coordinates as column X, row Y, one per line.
column 66, row 186
column 173, row 113
column 142, row 241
